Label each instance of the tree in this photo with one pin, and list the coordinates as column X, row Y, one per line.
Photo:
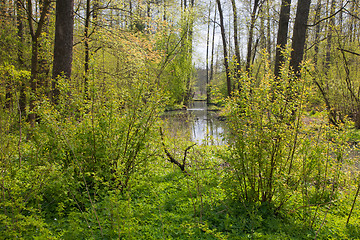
column 282, row 34
column 254, row 13
column 268, row 29
column 20, row 31
column 87, row 48
column 317, row 31
column 226, row 57
column 330, row 30
column 212, row 48
column 35, row 37
column 189, row 18
column 207, row 56
column 236, row 41
column 64, row 27
column 299, row 34
column 21, row 41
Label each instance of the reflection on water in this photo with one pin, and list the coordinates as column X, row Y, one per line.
column 197, row 123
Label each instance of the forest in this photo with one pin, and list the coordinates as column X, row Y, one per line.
column 87, row 150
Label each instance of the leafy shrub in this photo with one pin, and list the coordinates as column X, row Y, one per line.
column 22, row 199
column 273, row 159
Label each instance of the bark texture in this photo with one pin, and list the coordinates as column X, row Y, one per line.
column 64, row 27
column 282, row 35
column 299, row 35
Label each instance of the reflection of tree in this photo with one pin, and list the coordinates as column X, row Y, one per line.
column 199, row 126
column 178, row 124
column 209, row 125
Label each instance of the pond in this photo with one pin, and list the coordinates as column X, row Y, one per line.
column 197, row 124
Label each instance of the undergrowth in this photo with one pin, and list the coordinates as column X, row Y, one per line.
column 100, row 168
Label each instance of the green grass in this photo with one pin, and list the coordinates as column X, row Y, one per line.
column 49, row 201
column 164, row 203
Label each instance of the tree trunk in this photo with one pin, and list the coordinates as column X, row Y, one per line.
column 207, row 56
column 282, row 35
column 20, row 32
column 130, row 23
column 352, row 23
column 64, row 26
column 87, row 49
column 268, row 31
column 317, row 31
column 9, row 90
column 299, row 34
column 212, row 49
column 331, row 25
column 43, row 62
column 226, row 59
column 35, row 36
column 33, row 78
column 164, row 11
column 236, row 41
column 20, row 53
column 341, row 17
column 189, row 42
column 251, row 35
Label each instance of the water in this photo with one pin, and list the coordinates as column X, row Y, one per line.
column 197, row 123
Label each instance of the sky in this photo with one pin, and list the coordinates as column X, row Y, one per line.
column 200, row 36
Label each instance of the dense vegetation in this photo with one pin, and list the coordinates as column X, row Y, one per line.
column 85, row 153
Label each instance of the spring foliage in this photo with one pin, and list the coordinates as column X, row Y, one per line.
column 273, row 158
column 94, row 166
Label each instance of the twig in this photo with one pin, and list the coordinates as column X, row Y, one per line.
column 332, row 15
column 310, row 205
column 185, row 153
column 348, row 51
column 322, row 224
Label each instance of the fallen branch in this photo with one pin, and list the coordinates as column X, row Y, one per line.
column 172, row 159
column 353, row 204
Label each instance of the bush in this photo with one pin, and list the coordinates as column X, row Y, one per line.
column 274, row 160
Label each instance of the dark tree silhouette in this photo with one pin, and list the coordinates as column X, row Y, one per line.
column 63, row 48
column 299, row 34
column 257, row 6
column 282, row 34
column 223, row 36
column 236, row 41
